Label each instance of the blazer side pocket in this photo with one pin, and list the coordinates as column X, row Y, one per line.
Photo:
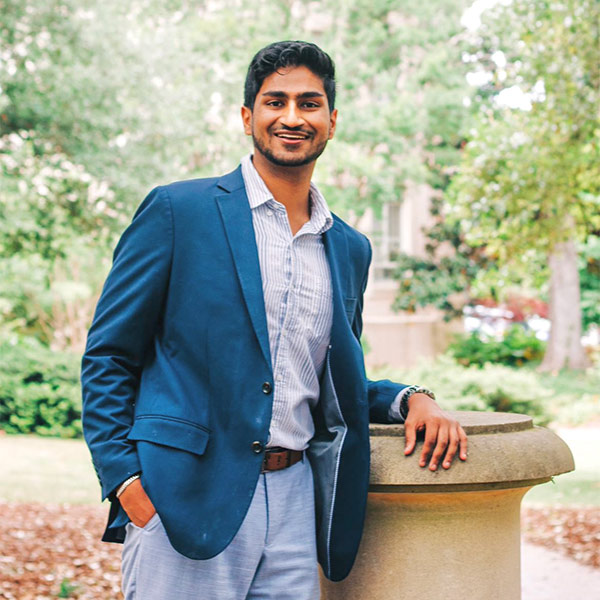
column 169, row 431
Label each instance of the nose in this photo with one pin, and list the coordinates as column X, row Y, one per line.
column 291, row 116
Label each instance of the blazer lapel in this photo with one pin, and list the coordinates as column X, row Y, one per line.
column 237, row 220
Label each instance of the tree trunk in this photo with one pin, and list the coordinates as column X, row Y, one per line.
column 564, row 346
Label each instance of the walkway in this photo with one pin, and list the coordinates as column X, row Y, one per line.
column 547, row 575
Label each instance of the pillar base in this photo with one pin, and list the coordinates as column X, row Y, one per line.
column 457, row 546
column 451, row 534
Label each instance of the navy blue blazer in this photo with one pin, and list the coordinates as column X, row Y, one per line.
column 175, row 365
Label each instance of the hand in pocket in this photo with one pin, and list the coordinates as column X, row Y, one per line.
column 137, row 504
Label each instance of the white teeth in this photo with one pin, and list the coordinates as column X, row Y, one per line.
column 291, row 137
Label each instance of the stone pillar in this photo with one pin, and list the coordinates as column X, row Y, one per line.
column 455, row 534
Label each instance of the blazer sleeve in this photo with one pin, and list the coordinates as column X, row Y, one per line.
column 124, row 324
column 382, row 392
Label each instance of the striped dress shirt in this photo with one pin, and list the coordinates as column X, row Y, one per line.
column 299, row 306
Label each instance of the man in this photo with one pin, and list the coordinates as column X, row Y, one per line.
column 225, row 401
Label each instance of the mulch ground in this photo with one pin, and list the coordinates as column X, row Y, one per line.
column 55, row 552
column 571, row 531
column 49, row 552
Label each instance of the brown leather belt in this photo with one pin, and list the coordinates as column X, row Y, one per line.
column 280, row 458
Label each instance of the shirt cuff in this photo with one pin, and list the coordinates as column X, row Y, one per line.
column 398, row 410
column 394, row 413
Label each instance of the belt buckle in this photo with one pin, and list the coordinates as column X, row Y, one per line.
column 282, row 458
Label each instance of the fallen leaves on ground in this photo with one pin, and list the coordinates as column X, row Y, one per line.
column 56, row 552
column 574, row 531
column 49, row 552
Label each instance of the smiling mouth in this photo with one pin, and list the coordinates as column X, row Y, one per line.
column 292, row 136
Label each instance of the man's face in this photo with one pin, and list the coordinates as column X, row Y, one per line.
column 290, row 123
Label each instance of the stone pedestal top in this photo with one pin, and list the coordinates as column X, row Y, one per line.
column 505, row 450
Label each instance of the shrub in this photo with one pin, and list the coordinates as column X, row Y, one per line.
column 517, row 347
column 39, row 389
column 488, row 388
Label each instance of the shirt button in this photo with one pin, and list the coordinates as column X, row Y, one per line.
column 267, row 388
column 257, row 447
column 269, row 213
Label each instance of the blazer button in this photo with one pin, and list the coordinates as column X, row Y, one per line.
column 257, row 447
column 267, row 388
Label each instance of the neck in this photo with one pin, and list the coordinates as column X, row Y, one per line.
column 289, row 185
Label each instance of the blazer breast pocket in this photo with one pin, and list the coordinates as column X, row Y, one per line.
column 170, row 431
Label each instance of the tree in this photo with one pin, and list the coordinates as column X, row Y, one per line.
column 54, row 218
column 55, row 214
column 401, row 88
column 528, row 186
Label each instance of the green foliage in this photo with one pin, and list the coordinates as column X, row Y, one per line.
column 39, row 390
column 575, row 396
column 567, row 399
column 589, row 276
column 48, row 202
column 444, row 276
column 529, row 185
column 401, row 85
column 488, row 388
column 529, row 179
column 516, row 347
column 66, row 588
column 55, row 218
column 146, row 91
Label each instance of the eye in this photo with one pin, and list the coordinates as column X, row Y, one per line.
column 275, row 103
column 311, row 104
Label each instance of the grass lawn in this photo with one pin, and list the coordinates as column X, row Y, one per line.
column 582, row 486
column 50, row 470
column 576, row 396
column 46, row 470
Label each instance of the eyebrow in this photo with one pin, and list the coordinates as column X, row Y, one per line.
column 279, row 94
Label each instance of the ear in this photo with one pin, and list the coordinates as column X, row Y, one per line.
column 247, row 120
column 332, row 122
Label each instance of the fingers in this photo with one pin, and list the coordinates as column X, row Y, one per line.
column 440, row 448
column 410, row 435
column 443, row 440
column 452, row 448
column 431, row 436
column 463, row 443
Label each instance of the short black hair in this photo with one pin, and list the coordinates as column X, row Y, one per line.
column 280, row 55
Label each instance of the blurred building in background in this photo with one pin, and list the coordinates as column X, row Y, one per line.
column 399, row 339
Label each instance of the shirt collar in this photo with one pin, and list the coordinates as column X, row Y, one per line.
column 258, row 193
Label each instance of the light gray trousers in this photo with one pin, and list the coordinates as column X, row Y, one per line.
column 272, row 557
